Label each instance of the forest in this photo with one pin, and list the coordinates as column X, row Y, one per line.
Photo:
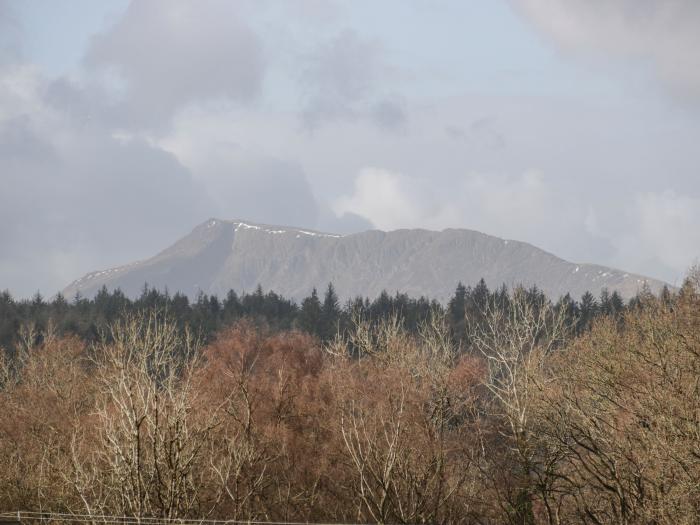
column 500, row 407
column 321, row 316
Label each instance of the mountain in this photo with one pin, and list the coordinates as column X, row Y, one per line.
column 220, row 255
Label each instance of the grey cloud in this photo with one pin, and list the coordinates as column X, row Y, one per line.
column 390, row 114
column 454, row 132
column 341, row 82
column 19, row 143
column 10, row 31
column 260, row 188
column 81, row 102
column 663, row 34
column 170, row 53
column 75, row 199
column 78, row 197
column 247, row 172
column 482, row 133
column 340, row 77
column 485, row 132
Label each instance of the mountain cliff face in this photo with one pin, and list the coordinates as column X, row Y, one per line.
column 221, row 255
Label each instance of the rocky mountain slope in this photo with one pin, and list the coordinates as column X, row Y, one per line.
column 219, row 255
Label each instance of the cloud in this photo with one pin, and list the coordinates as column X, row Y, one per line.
column 171, row 53
column 341, row 82
column 75, row 198
column 661, row 35
column 379, row 196
column 663, row 230
column 21, row 91
column 189, row 110
column 531, row 207
column 259, row 188
column 346, row 223
column 243, row 177
column 482, row 133
column 89, row 178
column 390, row 114
column 10, row 31
column 519, row 207
column 655, row 233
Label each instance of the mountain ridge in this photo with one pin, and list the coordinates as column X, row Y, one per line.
column 218, row 255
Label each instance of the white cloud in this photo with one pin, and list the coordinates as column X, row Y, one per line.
column 521, row 207
column 20, row 90
column 383, row 198
column 657, row 233
column 664, row 229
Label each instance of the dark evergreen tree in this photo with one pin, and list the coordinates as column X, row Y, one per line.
column 180, row 307
column 588, row 309
column 480, row 296
column 606, row 307
column 37, row 304
column 457, row 311
column 310, row 315
column 232, row 306
column 330, row 314
column 214, row 305
column 381, row 307
column 457, row 306
column 59, row 304
column 501, row 298
column 89, row 317
column 570, row 308
column 617, row 305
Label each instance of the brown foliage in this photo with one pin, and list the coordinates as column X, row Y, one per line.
column 622, row 416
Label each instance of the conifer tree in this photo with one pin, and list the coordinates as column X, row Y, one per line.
column 457, row 305
column 232, row 306
column 570, row 309
column 605, row 304
column 330, row 313
column 310, row 315
column 480, row 295
column 589, row 309
column 382, row 306
column 616, row 303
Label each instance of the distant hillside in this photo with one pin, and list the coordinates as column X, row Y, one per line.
column 220, row 255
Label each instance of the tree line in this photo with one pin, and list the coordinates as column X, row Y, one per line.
column 321, row 315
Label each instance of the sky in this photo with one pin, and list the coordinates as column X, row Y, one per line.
column 569, row 124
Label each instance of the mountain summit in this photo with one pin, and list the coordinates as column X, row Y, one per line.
column 219, row 255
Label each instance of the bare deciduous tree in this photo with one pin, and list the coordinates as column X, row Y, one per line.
column 151, row 444
column 399, row 405
column 623, row 413
column 516, row 340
